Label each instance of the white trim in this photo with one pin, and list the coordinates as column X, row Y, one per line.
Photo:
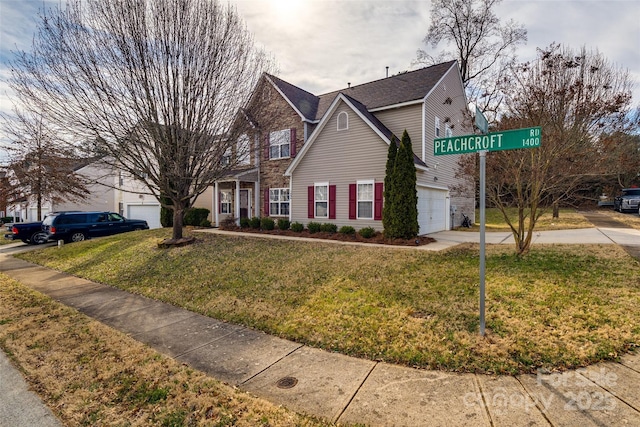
column 275, row 86
column 315, row 201
column 444, row 75
column 371, row 182
column 400, row 105
column 325, row 119
column 346, row 127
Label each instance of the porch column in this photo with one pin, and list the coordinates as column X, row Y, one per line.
column 216, row 203
column 236, row 201
column 256, row 196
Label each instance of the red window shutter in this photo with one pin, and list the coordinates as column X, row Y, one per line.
column 292, row 146
column 332, row 202
column 266, row 147
column 266, row 202
column 377, row 204
column 353, row 189
column 310, row 201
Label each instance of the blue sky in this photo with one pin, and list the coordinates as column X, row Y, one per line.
column 322, row 45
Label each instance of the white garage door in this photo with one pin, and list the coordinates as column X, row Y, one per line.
column 433, row 210
column 150, row 213
column 33, row 213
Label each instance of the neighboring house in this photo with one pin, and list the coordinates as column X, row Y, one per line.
column 322, row 158
column 115, row 191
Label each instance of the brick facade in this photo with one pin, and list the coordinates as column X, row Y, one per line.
column 271, row 112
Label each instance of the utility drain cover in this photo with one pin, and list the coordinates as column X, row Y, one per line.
column 287, row 382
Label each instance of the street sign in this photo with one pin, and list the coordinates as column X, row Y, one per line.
column 495, row 141
column 481, row 121
column 507, row 140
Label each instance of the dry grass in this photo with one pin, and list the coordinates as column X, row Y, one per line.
column 630, row 219
column 569, row 219
column 558, row 307
column 91, row 375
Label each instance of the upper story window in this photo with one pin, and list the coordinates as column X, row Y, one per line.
column 448, row 133
column 279, row 144
column 226, row 157
column 343, row 121
column 243, row 149
column 437, row 127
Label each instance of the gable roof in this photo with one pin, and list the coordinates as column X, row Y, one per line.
column 399, row 89
column 372, row 121
column 305, row 103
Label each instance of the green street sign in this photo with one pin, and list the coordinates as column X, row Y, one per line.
column 495, row 141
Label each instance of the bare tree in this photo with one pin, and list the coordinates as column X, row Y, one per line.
column 578, row 98
column 154, row 84
column 484, row 48
column 41, row 167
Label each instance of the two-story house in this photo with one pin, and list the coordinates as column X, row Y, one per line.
column 322, row 158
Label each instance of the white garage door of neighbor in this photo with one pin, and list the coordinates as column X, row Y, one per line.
column 33, row 213
column 150, row 213
column 432, row 210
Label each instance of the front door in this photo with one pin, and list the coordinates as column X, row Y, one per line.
column 245, row 204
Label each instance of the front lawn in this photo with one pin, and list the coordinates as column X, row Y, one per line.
column 558, row 307
column 92, row 375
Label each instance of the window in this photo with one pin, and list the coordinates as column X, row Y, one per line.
column 226, row 157
column 365, row 200
column 437, row 127
column 321, row 200
column 448, row 133
column 279, row 201
column 243, row 149
column 343, row 121
column 279, row 143
column 225, row 202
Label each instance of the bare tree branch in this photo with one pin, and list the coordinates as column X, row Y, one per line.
column 151, row 86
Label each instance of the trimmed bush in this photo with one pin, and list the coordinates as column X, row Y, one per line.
column 367, row 232
column 297, row 227
column 284, row 224
column 328, row 227
column 245, row 222
column 267, row 223
column 347, row 229
column 229, row 223
column 205, row 223
column 254, row 222
column 314, row 227
column 166, row 214
column 195, row 216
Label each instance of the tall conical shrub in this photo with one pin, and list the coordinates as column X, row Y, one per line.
column 387, row 210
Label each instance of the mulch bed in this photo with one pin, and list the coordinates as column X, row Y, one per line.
column 378, row 238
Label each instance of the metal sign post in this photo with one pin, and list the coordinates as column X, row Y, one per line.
column 483, row 172
column 496, row 141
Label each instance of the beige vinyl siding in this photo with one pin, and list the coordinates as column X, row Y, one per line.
column 101, row 195
column 339, row 158
column 409, row 118
column 444, row 167
column 205, row 200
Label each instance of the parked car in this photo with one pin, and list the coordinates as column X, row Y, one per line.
column 628, row 201
column 78, row 226
column 28, row 232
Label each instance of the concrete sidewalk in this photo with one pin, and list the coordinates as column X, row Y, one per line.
column 346, row 389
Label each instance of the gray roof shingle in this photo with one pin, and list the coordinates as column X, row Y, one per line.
column 398, row 89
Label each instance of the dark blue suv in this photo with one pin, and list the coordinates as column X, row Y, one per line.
column 78, row 226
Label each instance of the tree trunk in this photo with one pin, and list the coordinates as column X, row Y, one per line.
column 178, row 217
column 556, row 210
